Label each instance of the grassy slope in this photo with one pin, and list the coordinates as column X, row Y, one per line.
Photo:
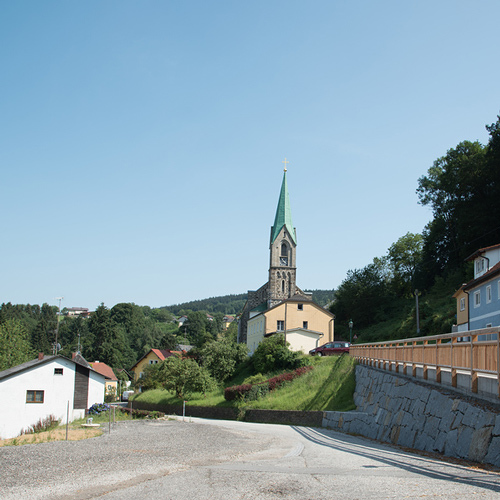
column 330, row 386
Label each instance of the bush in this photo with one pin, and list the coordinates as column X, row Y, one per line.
column 255, row 379
column 98, row 408
column 252, row 392
column 44, row 424
column 273, row 354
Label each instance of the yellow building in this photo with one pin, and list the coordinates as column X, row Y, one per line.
column 304, row 323
column 153, row 357
column 462, row 310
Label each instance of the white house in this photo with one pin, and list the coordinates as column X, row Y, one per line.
column 47, row 386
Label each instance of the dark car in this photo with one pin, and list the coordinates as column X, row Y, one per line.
column 330, row 348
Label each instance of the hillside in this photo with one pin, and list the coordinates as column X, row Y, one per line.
column 233, row 304
column 329, row 386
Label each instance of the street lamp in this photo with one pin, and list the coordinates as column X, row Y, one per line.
column 351, row 324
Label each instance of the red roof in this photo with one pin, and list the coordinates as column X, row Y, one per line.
column 103, row 369
column 164, row 353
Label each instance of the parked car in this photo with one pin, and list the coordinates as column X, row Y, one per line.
column 126, row 395
column 330, row 348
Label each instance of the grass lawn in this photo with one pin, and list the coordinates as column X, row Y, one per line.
column 330, row 386
column 75, row 431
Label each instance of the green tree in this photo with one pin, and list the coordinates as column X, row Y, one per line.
column 363, row 296
column 15, row 346
column 273, row 354
column 183, row 376
column 404, row 257
column 220, row 358
column 463, row 190
column 109, row 339
column 43, row 336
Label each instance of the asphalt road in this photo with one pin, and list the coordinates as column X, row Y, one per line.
column 207, row 459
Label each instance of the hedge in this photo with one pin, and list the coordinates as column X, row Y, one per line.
column 254, row 391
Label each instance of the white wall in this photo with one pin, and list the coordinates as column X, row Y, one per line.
column 17, row 414
column 302, row 340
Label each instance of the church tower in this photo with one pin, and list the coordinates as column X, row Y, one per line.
column 282, row 246
column 281, row 284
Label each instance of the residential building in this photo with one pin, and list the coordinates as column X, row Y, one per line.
column 479, row 299
column 112, row 389
column 49, row 385
column 304, row 323
column 152, row 357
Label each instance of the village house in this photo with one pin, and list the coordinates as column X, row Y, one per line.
column 48, row 386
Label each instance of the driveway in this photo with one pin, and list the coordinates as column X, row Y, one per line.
column 209, row 459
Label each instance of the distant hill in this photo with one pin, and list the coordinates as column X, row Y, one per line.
column 233, row 304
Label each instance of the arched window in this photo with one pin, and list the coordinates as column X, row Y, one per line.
column 284, row 250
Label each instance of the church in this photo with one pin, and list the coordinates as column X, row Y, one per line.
column 280, row 306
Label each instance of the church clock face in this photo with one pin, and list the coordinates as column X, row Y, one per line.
column 283, row 261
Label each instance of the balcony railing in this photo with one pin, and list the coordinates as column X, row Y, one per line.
column 468, row 361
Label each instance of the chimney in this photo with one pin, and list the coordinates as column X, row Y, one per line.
column 73, row 355
column 40, row 356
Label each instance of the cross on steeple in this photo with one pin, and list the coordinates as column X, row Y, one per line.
column 285, row 161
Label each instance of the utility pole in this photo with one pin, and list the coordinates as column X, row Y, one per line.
column 57, row 326
column 417, row 311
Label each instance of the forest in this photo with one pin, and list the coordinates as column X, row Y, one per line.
column 463, row 190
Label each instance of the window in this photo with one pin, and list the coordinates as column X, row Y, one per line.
column 488, row 294
column 153, row 361
column 305, row 325
column 300, row 307
column 479, row 265
column 281, row 326
column 58, row 371
column 462, row 304
column 34, row 396
column 477, row 298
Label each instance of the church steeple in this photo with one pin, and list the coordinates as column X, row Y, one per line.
column 283, row 216
column 282, row 267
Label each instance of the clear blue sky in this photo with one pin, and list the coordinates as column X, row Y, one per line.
column 141, row 142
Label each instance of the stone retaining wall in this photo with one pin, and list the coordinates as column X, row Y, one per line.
column 308, row 418
column 395, row 409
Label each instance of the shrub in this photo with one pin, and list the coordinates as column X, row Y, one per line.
column 98, row 408
column 252, row 392
column 273, row 354
column 143, row 413
column 255, row 379
column 44, row 424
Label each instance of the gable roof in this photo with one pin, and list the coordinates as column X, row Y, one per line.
column 296, row 299
column 34, row 363
column 491, row 273
column 104, row 369
column 479, row 252
column 283, row 214
column 161, row 354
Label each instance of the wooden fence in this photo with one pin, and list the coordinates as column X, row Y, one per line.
column 466, row 360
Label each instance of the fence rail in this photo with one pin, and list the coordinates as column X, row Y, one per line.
column 466, row 360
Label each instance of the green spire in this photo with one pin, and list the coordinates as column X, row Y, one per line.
column 283, row 214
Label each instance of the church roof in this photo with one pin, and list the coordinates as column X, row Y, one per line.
column 283, row 214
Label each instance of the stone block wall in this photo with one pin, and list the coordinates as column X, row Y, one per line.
column 396, row 410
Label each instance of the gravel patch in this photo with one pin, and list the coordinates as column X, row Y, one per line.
column 134, row 451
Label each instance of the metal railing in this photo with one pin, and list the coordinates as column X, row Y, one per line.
column 474, row 355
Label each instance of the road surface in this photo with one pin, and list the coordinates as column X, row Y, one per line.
column 211, row 459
